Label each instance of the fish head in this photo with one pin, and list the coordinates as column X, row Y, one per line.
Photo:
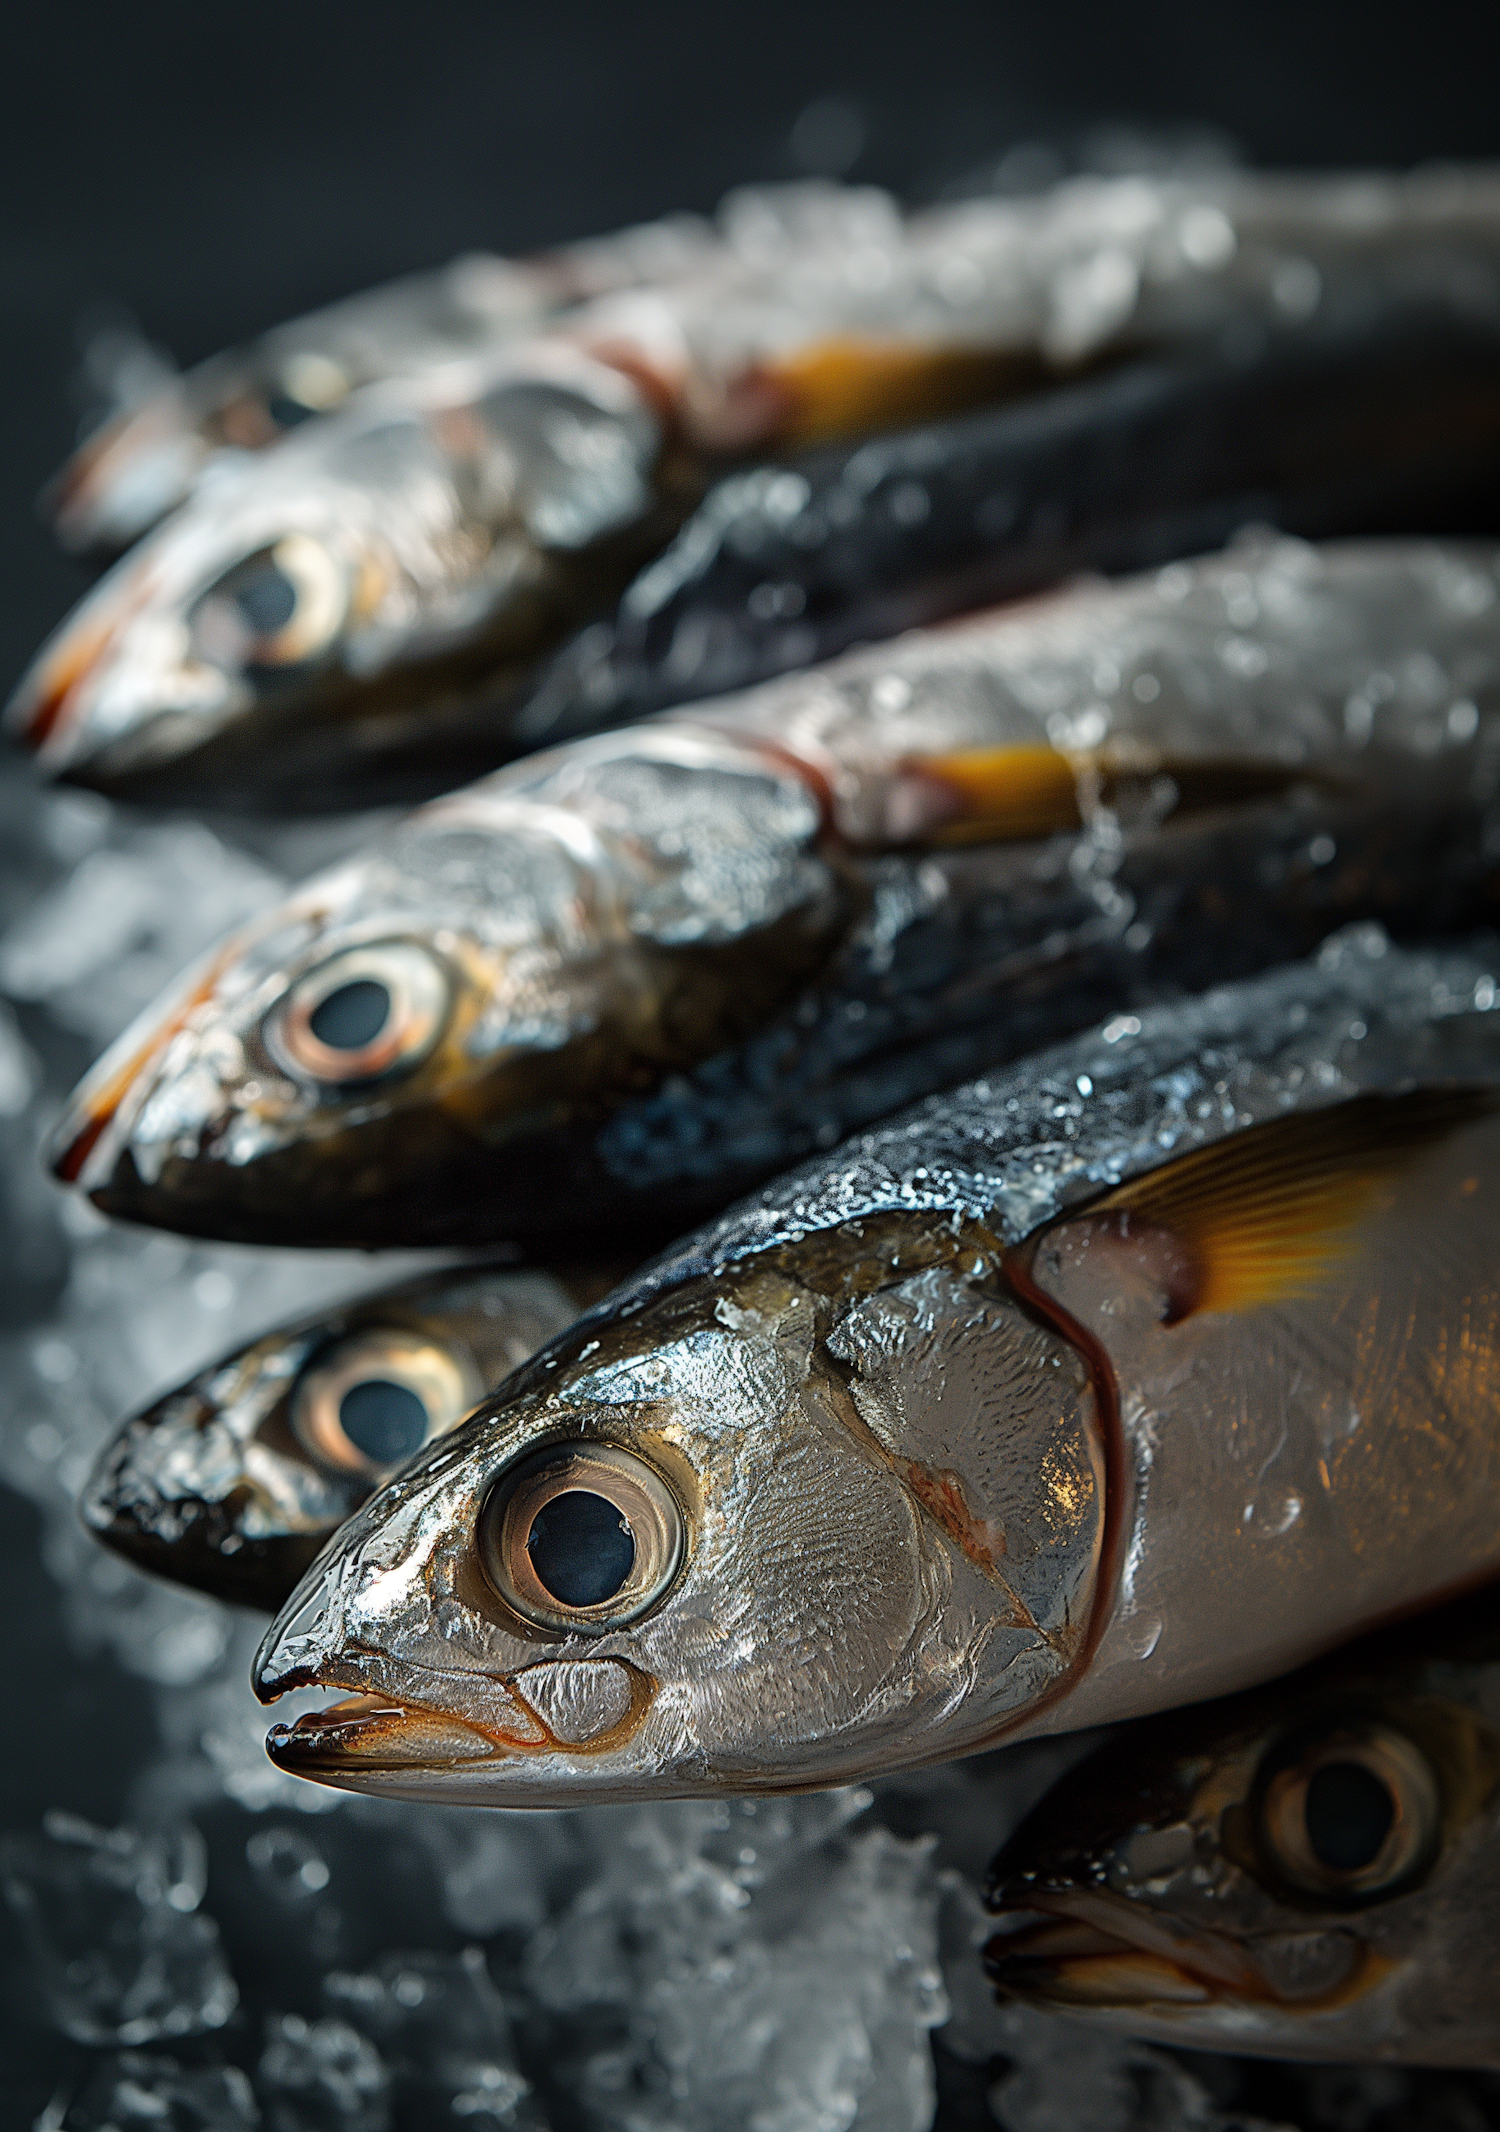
column 440, row 1022
column 234, row 1480
column 408, row 546
column 1279, row 1874
column 832, row 1510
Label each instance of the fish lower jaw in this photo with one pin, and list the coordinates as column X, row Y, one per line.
column 1060, row 1964
column 366, row 1733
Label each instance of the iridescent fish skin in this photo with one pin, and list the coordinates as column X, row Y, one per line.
column 1311, row 1870
column 148, row 457
column 431, row 538
column 1381, row 414
column 424, row 548
column 1108, row 1381
column 647, row 970
column 233, row 1481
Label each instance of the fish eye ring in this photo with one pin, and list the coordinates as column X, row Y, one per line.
column 371, row 1401
column 367, row 1012
column 582, row 1536
column 1353, row 1814
column 278, row 607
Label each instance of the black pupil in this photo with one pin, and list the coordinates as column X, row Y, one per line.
column 285, row 409
column 385, row 1421
column 1349, row 1812
column 267, row 599
column 581, row 1548
column 352, row 1015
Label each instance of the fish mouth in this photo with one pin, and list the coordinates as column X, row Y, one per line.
column 118, row 1084
column 192, row 1541
column 1098, row 1950
column 579, row 1711
column 366, row 1733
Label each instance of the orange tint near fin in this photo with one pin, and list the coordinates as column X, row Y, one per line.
column 1034, row 791
column 1274, row 1211
column 839, row 387
column 996, row 792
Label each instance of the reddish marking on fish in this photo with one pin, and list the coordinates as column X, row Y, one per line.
column 943, row 1497
column 99, row 1108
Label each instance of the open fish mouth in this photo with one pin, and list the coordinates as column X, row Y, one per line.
column 371, row 1732
column 1092, row 1949
column 554, row 1708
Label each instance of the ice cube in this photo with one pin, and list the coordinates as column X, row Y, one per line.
column 130, row 2092
column 322, row 2076
column 445, row 2034
column 118, row 1947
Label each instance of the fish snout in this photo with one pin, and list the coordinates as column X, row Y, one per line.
column 128, row 474
column 1089, row 1947
column 190, row 1538
column 1093, row 1948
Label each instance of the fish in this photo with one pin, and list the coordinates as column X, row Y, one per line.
column 149, row 455
column 1134, row 1373
column 1381, row 418
column 1308, row 1870
column 423, row 550
column 231, row 1482
column 640, row 973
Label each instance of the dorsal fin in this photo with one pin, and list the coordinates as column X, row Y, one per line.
column 1270, row 1212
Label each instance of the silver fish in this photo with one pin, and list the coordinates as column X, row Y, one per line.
column 1311, row 1870
column 1134, row 1374
column 387, row 579
column 151, row 454
column 233, row 1481
column 644, row 972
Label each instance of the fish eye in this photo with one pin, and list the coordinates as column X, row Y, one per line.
column 308, row 384
column 363, row 1014
column 372, row 1400
column 1354, row 1814
column 276, row 608
column 581, row 1536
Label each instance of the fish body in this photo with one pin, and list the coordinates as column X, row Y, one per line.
column 429, row 544
column 1383, row 417
column 151, row 454
column 233, row 1481
column 645, row 971
column 1309, row 1870
column 1137, row 1372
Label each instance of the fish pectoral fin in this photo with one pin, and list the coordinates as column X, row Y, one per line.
column 1030, row 790
column 1273, row 1211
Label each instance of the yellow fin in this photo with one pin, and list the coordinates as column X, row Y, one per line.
column 1271, row 1212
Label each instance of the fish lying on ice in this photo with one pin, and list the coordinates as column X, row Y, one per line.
column 422, row 549
column 233, row 1481
column 1132, row 1374
column 1310, row 1870
column 149, row 456
column 624, row 980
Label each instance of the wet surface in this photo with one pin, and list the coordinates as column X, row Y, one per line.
column 258, row 1953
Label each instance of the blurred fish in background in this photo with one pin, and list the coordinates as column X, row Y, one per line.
column 375, row 594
